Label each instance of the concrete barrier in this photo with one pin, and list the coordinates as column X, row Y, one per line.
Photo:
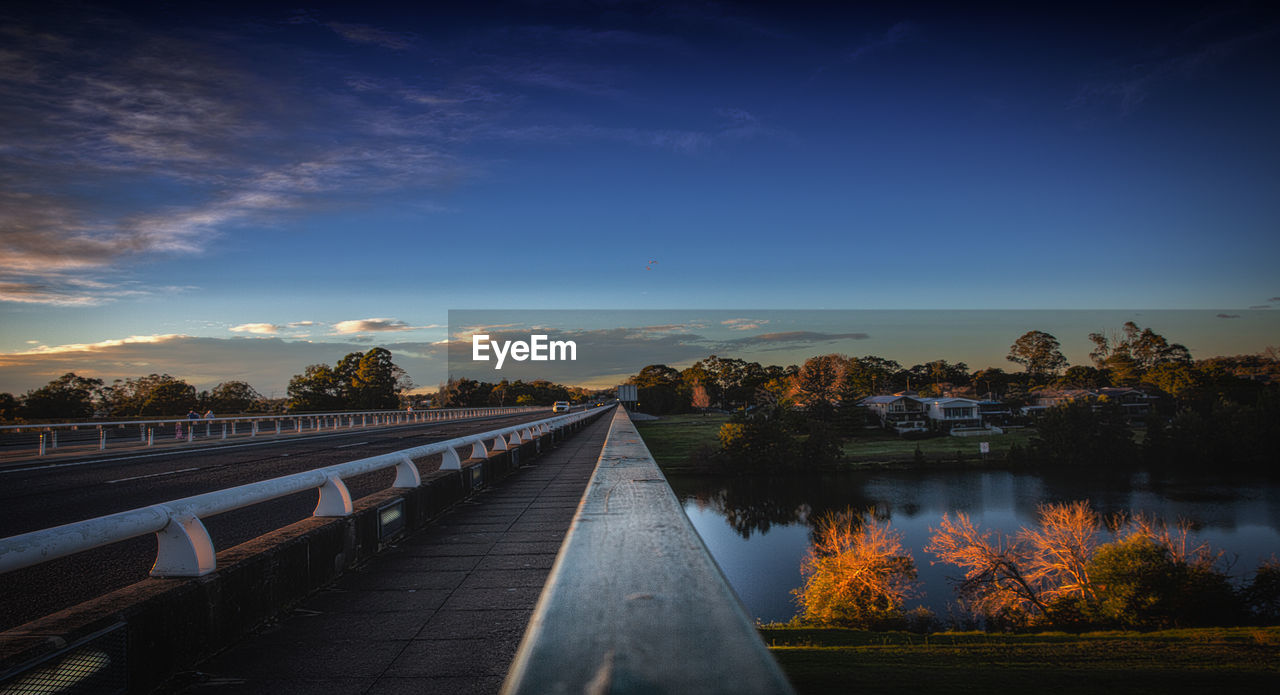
column 635, row 603
column 133, row 639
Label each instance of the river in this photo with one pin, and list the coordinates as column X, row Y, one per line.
column 757, row 527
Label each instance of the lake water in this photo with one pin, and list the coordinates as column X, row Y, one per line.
column 757, row 527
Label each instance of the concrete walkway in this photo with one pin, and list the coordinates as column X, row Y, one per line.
column 441, row 613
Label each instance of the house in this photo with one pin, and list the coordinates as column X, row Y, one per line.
column 909, row 412
column 946, row 413
column 899, row 412
column 1048, row 398
column 1135, row 404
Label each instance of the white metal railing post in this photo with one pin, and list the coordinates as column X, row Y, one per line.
column 183, row 547
column 208, row 427
column 42, row 443
column 224, row 430
column 102, row 439
column 277, row 428
column 151, row 436
column 191, row 433
column 335, row 499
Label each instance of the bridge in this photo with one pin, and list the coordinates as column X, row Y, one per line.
column 542, row 555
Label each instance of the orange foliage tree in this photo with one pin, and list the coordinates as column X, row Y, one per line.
column 857, row 573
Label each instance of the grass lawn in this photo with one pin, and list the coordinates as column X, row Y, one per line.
column 1173, row 661
column 673, row 438
column 884, row 446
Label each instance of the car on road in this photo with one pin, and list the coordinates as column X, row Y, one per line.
column 560, row 407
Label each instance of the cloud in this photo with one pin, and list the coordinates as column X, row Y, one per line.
column 257, row 328
column 130, row 144
column 792, row 338
column 1274, row 299
column 894, row 35
column 363, row 33
column 1260, row 306
column 98, row 346
column 371, row 326
column 1228, row 316
column 744, row 324
column 301, row 324
column 1181, row 60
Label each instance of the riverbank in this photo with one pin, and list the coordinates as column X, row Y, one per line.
column 673, row 439
column 833, row 660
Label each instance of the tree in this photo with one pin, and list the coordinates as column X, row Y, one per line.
column 1083, row 377
column 699, row 398
column 230, row 397
column 377, row 382
column 1134, row 352
column 818, row 384
column 1082, row 433
column 662, row 389
column 154, row 394
column 368, row 381
column 68, row 396
column 8, row 407
column 1039, row 352
column 169, row 397
column 857, row 573
column 317, row 388
column 996, row 584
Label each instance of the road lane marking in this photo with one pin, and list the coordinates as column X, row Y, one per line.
column 347, row 445
column 153, row 475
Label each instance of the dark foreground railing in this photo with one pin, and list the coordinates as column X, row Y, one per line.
column 635, row 603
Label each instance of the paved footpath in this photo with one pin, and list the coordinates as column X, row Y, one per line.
column 441, row 613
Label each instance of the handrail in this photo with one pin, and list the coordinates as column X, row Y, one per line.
column 635, row 603
column 89, row 424
column 184, row 546
column 46, row 434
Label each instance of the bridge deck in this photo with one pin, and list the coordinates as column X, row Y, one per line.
column 442, row 613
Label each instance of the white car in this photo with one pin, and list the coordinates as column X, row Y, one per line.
column 560, row 407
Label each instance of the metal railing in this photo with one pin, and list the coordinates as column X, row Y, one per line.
column 184, row 546
column 99, row 436
column 635, row 602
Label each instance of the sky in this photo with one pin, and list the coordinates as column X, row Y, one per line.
column 225, row 191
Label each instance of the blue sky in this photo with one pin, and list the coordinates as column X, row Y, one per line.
column 211, row 180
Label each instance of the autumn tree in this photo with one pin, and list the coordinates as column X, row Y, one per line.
column 699, row 398
column 857, row 573
column 995, row 585
column 1039, row 352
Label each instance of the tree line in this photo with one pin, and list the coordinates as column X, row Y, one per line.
column 469, row 393
column 359, row 381
column 1220, row 408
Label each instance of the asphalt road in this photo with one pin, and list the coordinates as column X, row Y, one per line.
column 42, row 495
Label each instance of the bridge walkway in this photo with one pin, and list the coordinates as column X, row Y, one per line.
column 443, row 612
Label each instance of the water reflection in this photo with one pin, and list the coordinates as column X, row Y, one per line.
column 758, row 527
